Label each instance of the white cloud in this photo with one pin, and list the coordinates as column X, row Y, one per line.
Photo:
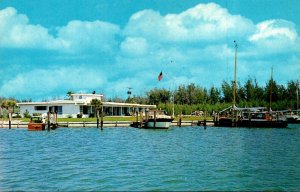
column 275, row 36
column 204, row 22
column 75, row 36
column 47, row 81
column 80, row 35
column 16, row 32
column 271, row 29
column 134, row 46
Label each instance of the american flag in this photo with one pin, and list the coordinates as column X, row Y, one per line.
column 160, row 76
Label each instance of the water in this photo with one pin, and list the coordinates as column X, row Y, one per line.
column 126, row 159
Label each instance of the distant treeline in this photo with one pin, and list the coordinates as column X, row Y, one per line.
column 189, row 98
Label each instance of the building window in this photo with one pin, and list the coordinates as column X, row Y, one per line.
column 84, row 110
column 40, row 108
column 57, row 109
column 80, row 97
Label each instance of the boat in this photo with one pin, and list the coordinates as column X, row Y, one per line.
column 291, row 116
column 248, row 117
column 154, row 119
column 256, row 117
column 36, row 124
column 157, row 119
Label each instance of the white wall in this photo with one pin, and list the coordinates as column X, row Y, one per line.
column 67, row 109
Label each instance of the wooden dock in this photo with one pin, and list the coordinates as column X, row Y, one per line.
column 108, row 124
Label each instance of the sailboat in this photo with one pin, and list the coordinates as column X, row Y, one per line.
column 255, row 117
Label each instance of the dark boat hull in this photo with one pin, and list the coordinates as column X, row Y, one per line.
column 153, row 124
column 36, row 126
column 253, row 123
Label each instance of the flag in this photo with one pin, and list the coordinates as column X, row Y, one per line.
column 160, row 76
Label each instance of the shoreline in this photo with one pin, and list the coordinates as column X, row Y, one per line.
column 111, row 124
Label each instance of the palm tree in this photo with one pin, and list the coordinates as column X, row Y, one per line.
column 9, row 105
column 69, row 93
column 97, row 104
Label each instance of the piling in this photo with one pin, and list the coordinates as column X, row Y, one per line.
column 204, row 123
column 180, row 119
column 9, row 120
column 101, row 123
column 136, row 119
column 48, row 120
column 56, row 121
column 141, row 119
column 97, row 118
column 154, row 119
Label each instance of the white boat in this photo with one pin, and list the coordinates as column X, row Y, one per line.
column 157, row 119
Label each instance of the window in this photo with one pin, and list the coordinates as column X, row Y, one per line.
column 57, row 109
column 40, row 108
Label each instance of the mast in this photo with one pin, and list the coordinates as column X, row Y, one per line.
column 297, row 92
column 271, row 89
column 234, row 81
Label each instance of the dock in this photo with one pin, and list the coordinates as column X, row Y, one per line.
column 108, row 124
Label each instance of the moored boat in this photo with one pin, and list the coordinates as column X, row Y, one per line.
column 154, row 119
column 250, row 117
column 36, row 124
column 157, row 119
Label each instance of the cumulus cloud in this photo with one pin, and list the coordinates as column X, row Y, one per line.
column 275, row 35
column 40, row 82
column 16, row 32
column 97, row 35
column 75, row 36
column 204, row 22
column 134, row 46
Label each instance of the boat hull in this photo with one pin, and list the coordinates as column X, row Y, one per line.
column 158, row 123
column 262, row 123
column 36, row 126
column 253, row 123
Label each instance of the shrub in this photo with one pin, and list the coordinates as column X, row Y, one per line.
column 91, row 115
column 26, row 114
column 36, row 114
column 79, row 115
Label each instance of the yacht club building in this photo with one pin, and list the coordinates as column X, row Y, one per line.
column 81, row 104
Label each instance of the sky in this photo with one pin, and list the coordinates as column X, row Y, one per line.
column 50, row 47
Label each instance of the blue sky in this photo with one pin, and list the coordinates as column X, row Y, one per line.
column 49, row 47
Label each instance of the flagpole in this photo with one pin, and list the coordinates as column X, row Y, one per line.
column 234, row 81
column 297, row 91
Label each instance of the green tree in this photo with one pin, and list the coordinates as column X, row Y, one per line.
column 227, row 91
column 9, row 105
column 69, row 93
column 96, row 103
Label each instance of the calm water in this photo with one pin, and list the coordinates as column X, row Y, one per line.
column 188, row 158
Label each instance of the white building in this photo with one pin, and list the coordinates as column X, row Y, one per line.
column 80, row 104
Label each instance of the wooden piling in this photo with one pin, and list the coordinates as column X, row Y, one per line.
column 137, row 119
column 141, row 119
column 204, row 123
column 9, row 120
column 154, row 119
column 101, row 120
column 48, row 120
column 180, row 119
column 97, row 118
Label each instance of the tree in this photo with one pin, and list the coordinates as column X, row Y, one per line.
column 9, row 105
column 69, row 93
column 227, row 90
column 157, row 96
column 96, row 103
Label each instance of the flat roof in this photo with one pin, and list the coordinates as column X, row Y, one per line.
column 78, row 102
